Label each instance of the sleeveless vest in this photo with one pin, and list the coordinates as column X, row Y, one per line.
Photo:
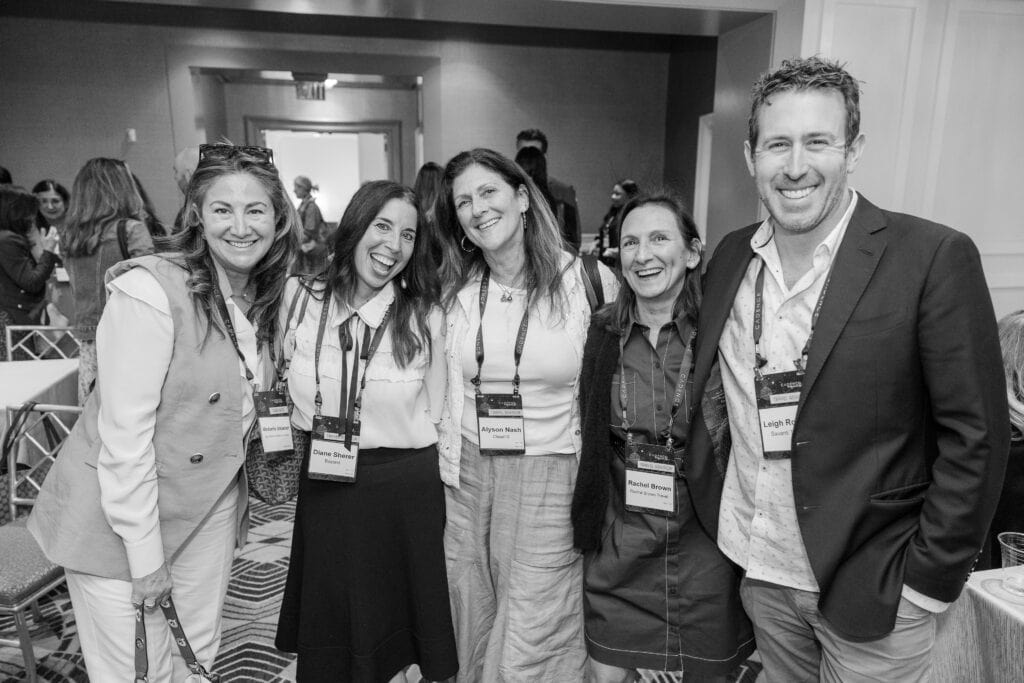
column 197, row 443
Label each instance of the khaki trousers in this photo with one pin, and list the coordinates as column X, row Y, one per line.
column 516, row 582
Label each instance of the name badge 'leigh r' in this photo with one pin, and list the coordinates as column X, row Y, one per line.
column 778, row 395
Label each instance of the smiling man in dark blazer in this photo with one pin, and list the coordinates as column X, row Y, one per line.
column 852, row 436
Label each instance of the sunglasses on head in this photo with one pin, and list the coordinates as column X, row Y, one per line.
column 225, row 151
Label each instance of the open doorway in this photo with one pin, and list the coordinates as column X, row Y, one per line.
column 337, row 157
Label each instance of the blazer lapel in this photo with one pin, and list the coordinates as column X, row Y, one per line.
column 855, row 263
column 722, row 283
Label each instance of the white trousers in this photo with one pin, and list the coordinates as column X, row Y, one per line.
column 106, row 619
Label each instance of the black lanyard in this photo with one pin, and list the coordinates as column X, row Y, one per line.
column 677, row 397
column 759, row 360
column 351, row 397
column 222, row 309
column 520, row 338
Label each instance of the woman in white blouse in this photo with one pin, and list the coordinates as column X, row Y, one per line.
column 366, row 594
column 147, row 498
column 517, row 314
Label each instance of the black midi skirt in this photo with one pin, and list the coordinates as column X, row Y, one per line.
column 367, row 592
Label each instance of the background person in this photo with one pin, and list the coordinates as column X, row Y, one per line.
column 1009, row 515
column 53, row 204
column 861, row 517
column 562, row 192
column 532, row 160
column 367, row 594
column 27, row 258
column 147, row 498
column 429, row 187
column 606, row 244
column 103, row 198
column 658, row 593
column 312, row 248
column 513, row 573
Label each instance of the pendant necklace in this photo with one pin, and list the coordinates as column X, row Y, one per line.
column 506, row 292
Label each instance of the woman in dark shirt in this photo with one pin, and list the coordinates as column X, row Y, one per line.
column 26, row 260
column 658, row 592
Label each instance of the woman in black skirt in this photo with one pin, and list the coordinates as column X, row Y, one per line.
column 658, row 592
column 367, row 594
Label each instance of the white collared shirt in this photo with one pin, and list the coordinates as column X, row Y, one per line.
column 758, row 526
column 397, row 409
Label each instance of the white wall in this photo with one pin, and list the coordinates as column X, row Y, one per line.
column 941, row 109
column 743, row 54
column 602, row 109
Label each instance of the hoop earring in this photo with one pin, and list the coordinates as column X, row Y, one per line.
column 462, row 243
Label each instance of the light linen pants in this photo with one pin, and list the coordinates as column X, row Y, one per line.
column 516, row 582
column 106, row 619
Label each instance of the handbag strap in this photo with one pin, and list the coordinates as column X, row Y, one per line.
column 14, row 429
column 122, row 239
column 142, row 649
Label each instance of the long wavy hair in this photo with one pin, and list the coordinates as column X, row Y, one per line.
column 616, row 315
column 189, row 248
column 103, row 193
column 418, row 291
column 542, row 242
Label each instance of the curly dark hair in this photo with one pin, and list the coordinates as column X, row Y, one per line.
column 811, row 73
column 189, row 246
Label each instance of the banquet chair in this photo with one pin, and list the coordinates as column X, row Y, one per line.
column 40, row 342
column 26, row 574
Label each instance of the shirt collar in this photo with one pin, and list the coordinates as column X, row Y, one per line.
column 372, row 312
column 762, row 237
column 679, row 322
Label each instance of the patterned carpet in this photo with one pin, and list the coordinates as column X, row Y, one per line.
column 250, row 618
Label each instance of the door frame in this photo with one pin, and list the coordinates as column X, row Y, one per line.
column 255, row 125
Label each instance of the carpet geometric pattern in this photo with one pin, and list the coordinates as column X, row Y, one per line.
column 247, row 651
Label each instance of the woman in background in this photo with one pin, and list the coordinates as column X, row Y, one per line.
column 658, row 593
column 367, row 594
column 1010, row 511
column 53, row 204
column 147, row 499
column 104, row 207
column 533, row 161
column 27, row 258
column 517, row 313
column 428, row 188
column 313, row 248
column 53, row 208
column 606, row 244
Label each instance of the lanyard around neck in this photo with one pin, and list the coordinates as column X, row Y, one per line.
column 520, row 337
column 222, row 309
column 351, row 397
column 759, row 360
column 677, row 398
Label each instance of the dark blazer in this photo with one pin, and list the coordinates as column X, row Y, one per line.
column 901, row 435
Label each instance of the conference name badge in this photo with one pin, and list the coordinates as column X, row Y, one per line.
column 778, row 395
column 651, row 480
column 61, row 273
column 329, row 458
column 500, row 426
column 274, row 421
